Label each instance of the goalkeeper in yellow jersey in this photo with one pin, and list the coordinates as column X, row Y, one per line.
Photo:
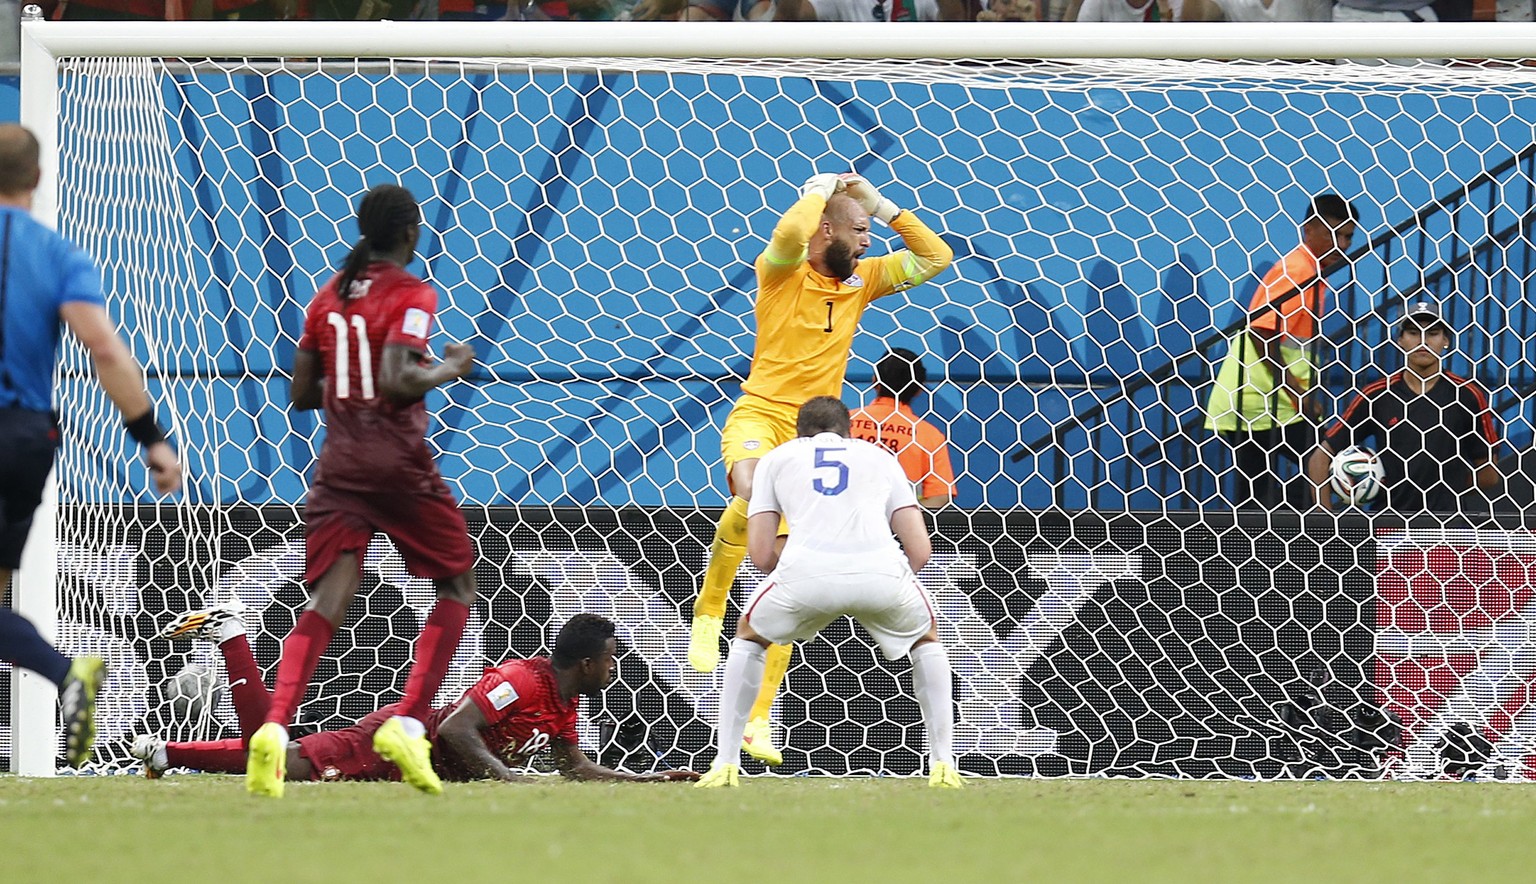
column 813, row 285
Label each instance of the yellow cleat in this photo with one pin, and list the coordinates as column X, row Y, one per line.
column 704, row 643
column 411, row 753
column 757, row 739
column 720, row 776
column 77, row 707
column 944, row 776
column 266, row 760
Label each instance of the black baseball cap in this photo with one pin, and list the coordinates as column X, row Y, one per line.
column 1425, row 315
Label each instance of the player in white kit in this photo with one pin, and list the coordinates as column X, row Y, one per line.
column 843, row 499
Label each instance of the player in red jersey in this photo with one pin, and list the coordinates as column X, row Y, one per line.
column 512, row 713
column 363, row 358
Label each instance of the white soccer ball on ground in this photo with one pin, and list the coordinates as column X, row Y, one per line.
column 1356, row 475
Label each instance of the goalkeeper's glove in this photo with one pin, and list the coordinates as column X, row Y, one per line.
column 824, row 184
column 876, row 205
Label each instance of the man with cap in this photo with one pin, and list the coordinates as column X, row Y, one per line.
column 1433, row 431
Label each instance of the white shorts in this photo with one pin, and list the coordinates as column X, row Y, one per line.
column 892, row 606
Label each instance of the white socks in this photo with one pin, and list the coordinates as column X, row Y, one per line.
column 743, row 678
column 931, row 683
column 412, row 727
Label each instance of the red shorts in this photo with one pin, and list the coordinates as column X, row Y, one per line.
column 428, row 529
column 348, row 754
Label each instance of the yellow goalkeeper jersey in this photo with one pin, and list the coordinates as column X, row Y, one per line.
column 806, row 321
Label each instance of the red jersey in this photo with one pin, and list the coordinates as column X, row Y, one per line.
column 520, row 700
column 372, row 443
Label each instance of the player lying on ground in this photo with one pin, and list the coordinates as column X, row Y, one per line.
column 814, row 281
column 843, row 499
column 363, row 358
column 513, row 711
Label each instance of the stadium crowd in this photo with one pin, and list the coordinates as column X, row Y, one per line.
column 790, row 10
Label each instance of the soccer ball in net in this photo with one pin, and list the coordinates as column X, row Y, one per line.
column 192, row 692
column 1356, row 475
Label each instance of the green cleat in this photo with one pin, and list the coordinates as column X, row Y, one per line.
column 945, row 776
column 720, row 776
column 77, row 707
column 266, row 760
column 757, row 739
column 704, row 643
column 411, row 753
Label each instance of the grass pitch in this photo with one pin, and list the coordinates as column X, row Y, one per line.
column 206, row 829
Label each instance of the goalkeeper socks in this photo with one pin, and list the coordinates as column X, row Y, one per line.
column 215, row 756
column 773, row 675
column 434, row 650
column 743, row 676
column 301, row 651
column 23, row 645
column 247, row 692
column 931, row 683
column 726, row 553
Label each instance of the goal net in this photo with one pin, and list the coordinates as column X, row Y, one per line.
column 592, row 223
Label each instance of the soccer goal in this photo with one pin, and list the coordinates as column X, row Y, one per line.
column 594, row 197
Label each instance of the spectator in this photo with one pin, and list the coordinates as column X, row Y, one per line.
column 919, row 446
column 1432, row 430
column 1256, row 10
column 872, row 10
column 1260, row 402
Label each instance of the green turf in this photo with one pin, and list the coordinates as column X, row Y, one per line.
column 205, row 829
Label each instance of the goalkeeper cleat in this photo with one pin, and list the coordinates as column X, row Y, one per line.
column 266, row 761
column 720, row 776
column 219, row 623
column 151, row 751
column 704, row 643
column 77, row 707
column 945, row 776
column 411, row 752
column 757, row 739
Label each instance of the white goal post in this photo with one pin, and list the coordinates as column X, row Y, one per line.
column 1019, row 341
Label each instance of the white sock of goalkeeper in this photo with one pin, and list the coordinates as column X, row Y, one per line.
column 931, row 683
column 743, row 678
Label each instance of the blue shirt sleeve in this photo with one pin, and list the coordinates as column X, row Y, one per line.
column 79, row 280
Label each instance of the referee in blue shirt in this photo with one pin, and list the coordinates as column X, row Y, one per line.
column 44, row 280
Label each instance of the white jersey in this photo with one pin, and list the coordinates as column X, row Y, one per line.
column 837, row 494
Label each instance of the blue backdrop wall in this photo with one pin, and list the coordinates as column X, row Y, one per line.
column 593, row 235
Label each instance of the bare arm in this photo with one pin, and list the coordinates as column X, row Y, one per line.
column 116, row 368
column 307, row 391
column 122, row 381
column 762, row 541
column 404, row 375
column 1488, row 475
column 912, row 531
column 574, row 764
column 935, row 501
column 459, row 736
column 1317, row 471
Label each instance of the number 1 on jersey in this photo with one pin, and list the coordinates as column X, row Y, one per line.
column 828, row 329
column 364, row 355
column 825, row 460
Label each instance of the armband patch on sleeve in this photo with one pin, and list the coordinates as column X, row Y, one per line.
column 502, row 696
column 416, row 323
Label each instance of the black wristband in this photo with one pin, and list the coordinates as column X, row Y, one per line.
column 144, row 430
